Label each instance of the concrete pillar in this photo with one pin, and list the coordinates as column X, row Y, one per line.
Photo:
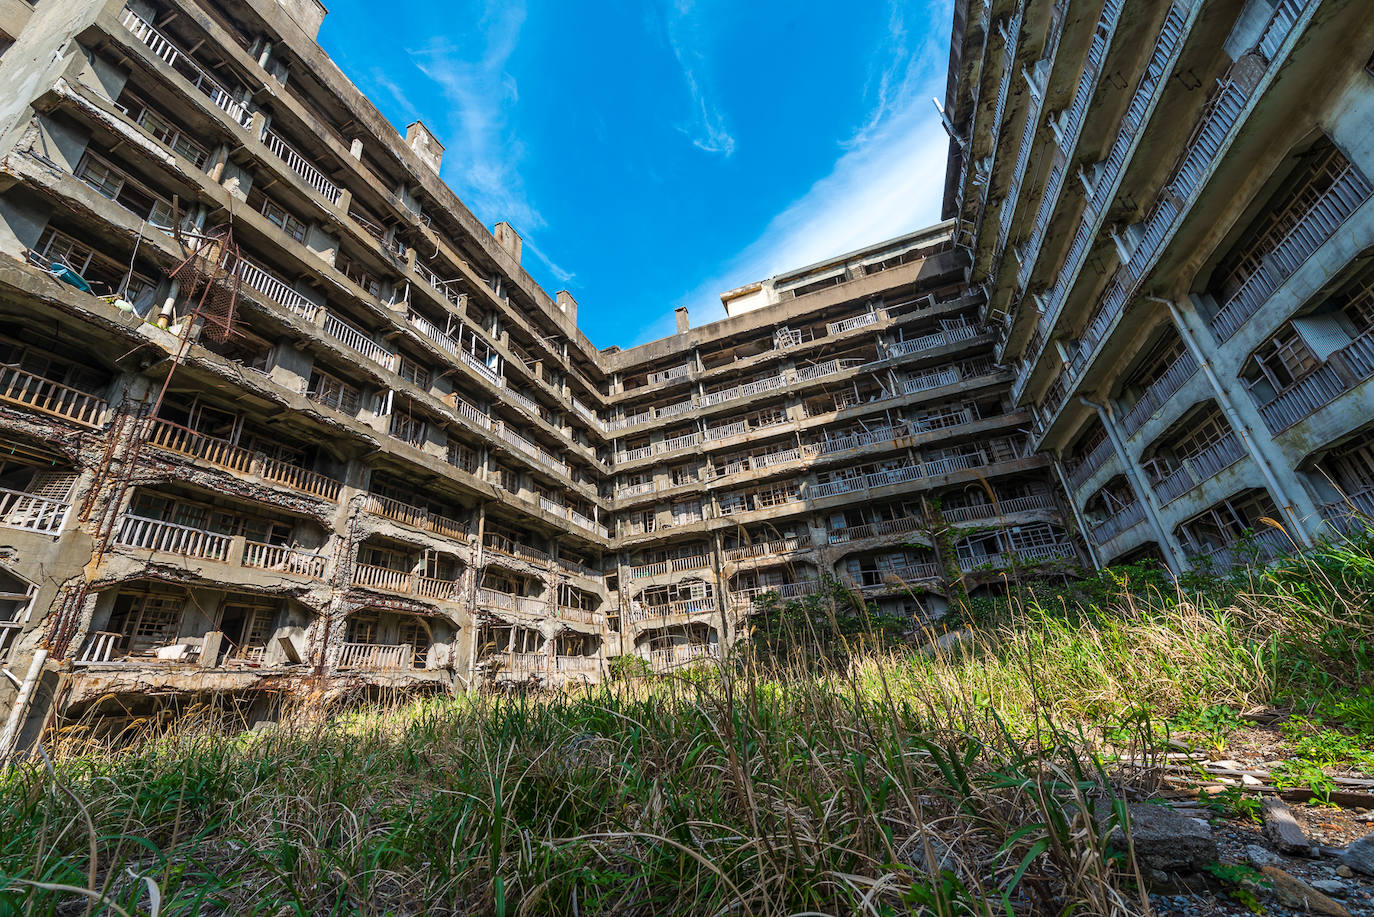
column 1174, row 555
column 1077, row 516
column 1295, row 505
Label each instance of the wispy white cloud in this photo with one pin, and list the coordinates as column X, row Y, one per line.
column 483, row 153
column 887, row 180
column 706, row 126
column 559, row 274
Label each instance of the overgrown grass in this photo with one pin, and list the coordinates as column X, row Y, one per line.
column 978, row 778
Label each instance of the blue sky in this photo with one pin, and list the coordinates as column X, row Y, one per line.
column 656, row 153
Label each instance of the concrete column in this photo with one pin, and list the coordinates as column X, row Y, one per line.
column 1174, row 555
column 1077, row 516
column 1294, row 503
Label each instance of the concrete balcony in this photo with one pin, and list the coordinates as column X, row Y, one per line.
column 180, row 61
column 304, row 168
column 1009, row 507
column 1352, row 515
column 875, row 530
column 1128, row 517
column 1318, row 223
column 1084, row 470
column 1259, row 547
column 524, row 604
column 375, row 657
column 669, row 658
column 1342, row 372
column 1157, row 394
column 493, row 541
column 1021, row 557
column 745, row 598
column 772, row 548
column 1195, row 469
column 656, row 615
column 405, row 582
column 415, row 517
column 672, row 565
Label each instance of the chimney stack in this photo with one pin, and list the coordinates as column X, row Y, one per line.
column 682, row 319
column 508, row 238
column 567, row 305
column 425, row 145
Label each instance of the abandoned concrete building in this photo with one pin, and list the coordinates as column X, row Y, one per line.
column 279, row 416
column 1167, row 210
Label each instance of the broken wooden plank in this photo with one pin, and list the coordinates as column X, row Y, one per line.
column 1282, row 828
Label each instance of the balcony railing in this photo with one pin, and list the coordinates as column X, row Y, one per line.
column 1071, row 125
column 19, row 387
column 503, row 545
column 353, row 338
column 1343, row 371
column 99, row 648
column 415, row 516
column 186, row 65
column 300, row 165
column 284, row 559
column 900, row 475
column 469, row 412
column 1090, row 465
column 635, row 490
column 1158, row 393
column 1128, row 517
column 1010, row 506
column 373, row 576
column 875, row 529
column 156, row 535
column 703, row 605
column 671, row 565
column 276, row 289
column 772, row 547
column 1353, row 514
column 784, row 591
column 1021, row 556
column 482, row 369
column 852, row 323
column 671, row 657
column 577, row 665
column 929, row 341
column 1346, row 193
column 1195, row 469
column 375, row 657
column 1259, row 547
column 215, row 451
column 670, row 374
column 493, row 598
column 899, row 576
column 31, row 512
column 442, row 339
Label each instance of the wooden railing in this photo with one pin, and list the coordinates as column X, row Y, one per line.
column 100, row 647
column 415, row 516
column 375, row 657
column 215, row 451
column 283, row 558
column 19, row 510
column 19, row 387
column 671, row 657
column 156, row 535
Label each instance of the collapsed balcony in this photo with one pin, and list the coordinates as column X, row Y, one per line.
column 152, row 624
column 217, row 529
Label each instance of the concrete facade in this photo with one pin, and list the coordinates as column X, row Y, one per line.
column 1167, row 207
column 281, row 419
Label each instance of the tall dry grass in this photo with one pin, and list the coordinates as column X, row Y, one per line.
column 976, row 778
